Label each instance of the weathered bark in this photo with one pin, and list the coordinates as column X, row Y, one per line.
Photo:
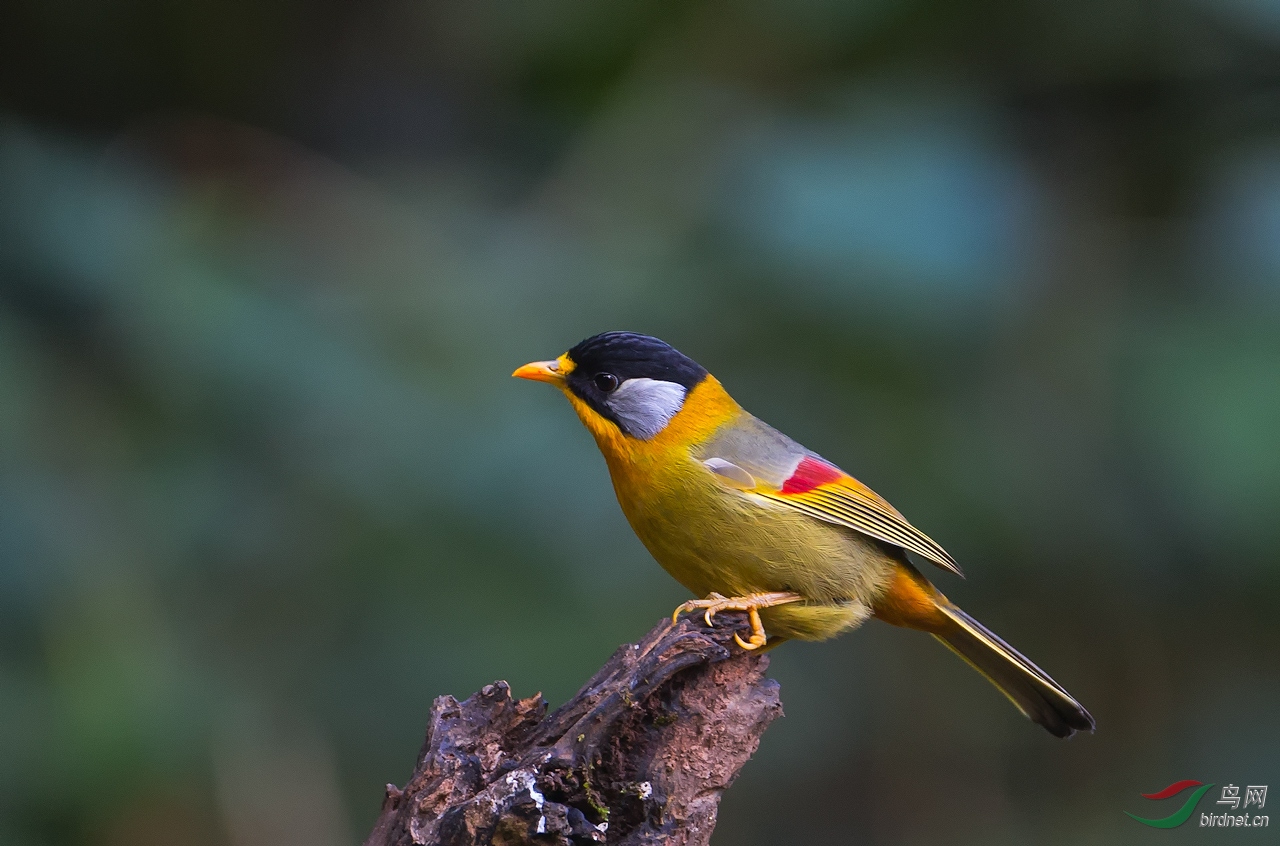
column 639, row 756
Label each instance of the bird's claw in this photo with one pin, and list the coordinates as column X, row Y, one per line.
column 757, row 640
column 695, row 604
column 751, row 603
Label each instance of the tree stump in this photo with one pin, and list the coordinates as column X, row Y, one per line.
column 640, row 755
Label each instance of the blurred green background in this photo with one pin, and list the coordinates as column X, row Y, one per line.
column 266, row 487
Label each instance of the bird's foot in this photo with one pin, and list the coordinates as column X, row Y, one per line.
column 751, row 603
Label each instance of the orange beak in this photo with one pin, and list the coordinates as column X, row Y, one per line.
column 541, row 371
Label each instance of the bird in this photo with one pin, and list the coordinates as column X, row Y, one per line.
column 749, row 520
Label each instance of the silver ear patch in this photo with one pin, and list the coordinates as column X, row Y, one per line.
column 644, row 406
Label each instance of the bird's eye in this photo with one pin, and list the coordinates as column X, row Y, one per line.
column 606, row 382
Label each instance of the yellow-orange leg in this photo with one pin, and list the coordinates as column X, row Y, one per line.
column 751, row 603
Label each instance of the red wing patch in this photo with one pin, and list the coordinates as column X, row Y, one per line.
column 811, row 473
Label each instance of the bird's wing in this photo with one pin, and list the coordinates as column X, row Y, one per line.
column 824, row 491
column 755, row 458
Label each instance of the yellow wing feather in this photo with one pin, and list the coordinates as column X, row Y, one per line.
column 847, row 502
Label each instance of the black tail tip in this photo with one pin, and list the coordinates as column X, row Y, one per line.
column 1065, row 722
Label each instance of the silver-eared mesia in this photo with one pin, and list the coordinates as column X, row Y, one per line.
column 741, row 514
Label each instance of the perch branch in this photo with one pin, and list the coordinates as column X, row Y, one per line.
column 640, row 755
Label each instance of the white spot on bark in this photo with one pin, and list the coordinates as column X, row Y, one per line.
column 523, row 780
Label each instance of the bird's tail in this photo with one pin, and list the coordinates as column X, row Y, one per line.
column 1030, row 689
